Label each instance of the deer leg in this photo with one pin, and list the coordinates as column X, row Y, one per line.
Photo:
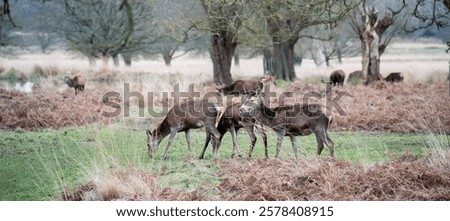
column 280, row 136
column 319, row 145
column 261, row 129
column 234, row 138
column 322, row 135
column 208, row 138
column 215, row 136
column 330, row 144
column 251, row 133
column 188, row 141
column 294, row 145
column 173, row 132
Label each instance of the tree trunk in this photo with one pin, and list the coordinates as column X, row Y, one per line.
column 338, row 49
column 283, row 61
column 370, row 48
column 116, row 60
column 127, row 59
column 222, row 55
column 91, row 61
column 105, row 58
column 167, row 59
column 236, row 57
column 268, row 62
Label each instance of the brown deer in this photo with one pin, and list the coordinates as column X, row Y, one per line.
column 184, row 117
column 355, row 77
column 232, row 121
column 394, row 77
column 337, row 77
column 78, row 82
column 241, row 87
column 292, row 120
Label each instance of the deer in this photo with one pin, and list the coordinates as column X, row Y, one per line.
column 355, row 77
column 337, row 77
column 78, row 82
column 394, row 77
column 241, row 87
column 232, row 121
column 182, row 118
column 292, row 121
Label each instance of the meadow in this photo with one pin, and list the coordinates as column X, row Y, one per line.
column 41, row 165
column 392, row 144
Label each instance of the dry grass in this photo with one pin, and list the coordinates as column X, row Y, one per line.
column 133, row 185
column 404, row 108
column 406, row 178
column 401, row 179
column 49, row 110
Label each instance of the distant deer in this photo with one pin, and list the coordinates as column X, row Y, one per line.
column 355, row 77
column 78, row 82
column 337, row 77
column 241, row 87
column 232, row 121
column 184, row 117
column 394, row 77
column 292, row 120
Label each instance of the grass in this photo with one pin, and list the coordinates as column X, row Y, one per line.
column 37, row 165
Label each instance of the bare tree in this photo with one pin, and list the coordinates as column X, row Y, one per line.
column 286, row 20
column 427, row 13
column 371, row 27
column 5, row 10
column 177, row 36
column 106, row 28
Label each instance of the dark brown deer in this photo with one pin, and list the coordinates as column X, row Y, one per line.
column 292, row 120
column 241, row 87
column 394, row 77
column 232, row 121
column 78, row 82
column 337, row 77
column 184, row 117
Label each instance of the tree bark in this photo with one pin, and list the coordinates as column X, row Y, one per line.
column 283, row 61
column 236, row 57
column 268, row 62
column 167, row 59
column 127, row 59
column 116, row 60
column 222, row 56
column 370, row 47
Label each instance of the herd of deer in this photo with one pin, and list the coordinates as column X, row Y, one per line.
column 250, row 112
column 337, row 77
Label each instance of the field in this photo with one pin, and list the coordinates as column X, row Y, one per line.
column 392, row 143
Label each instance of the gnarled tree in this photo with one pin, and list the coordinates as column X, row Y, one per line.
column 286, row 19
column 224, row 22
column 370, row 28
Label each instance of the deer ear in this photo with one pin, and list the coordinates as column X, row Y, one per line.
column 149, row 133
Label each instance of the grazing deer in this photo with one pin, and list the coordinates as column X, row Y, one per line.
column 337, row 77
column 292, row 120
column 184, row 117
column 232, row 121
column 78, row 82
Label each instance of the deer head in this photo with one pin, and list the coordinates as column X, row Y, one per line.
column 152, row 143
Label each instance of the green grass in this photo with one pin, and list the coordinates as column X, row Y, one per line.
column 35, row 165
